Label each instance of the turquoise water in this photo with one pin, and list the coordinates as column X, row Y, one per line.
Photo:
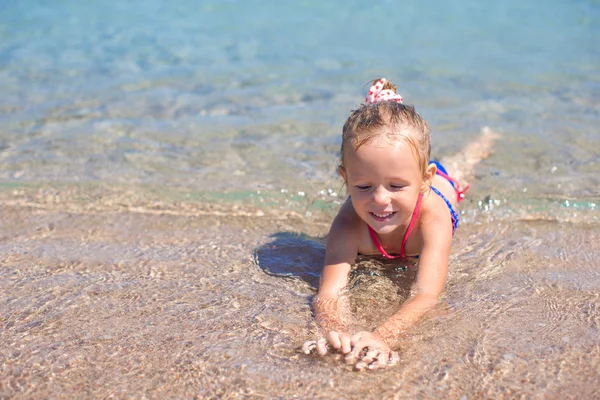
column 242, row 95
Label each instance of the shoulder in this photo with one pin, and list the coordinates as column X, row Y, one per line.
column 349, row 233
column 435, row 219
column 344, row 228
column 347, row 218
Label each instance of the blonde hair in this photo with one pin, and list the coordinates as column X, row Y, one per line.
column 361, row 125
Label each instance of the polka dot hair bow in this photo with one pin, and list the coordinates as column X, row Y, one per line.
column 377, row 94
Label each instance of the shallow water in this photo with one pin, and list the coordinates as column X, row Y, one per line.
column 149, row 304
column 167, row 178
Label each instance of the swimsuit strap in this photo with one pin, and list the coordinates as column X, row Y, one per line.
column 411, row 225
column 375, row 240
column 453, row 213
column 460, row 194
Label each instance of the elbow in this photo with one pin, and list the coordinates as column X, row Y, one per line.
column 430, row 302
column 426, row 301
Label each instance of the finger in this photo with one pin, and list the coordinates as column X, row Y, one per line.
column 334, row 339
column 309, row 346
column 394, row 358
column 322, row 346
column 355, row 353
column 370, row 356
column 351, row 357
column 346, row 344
column 380, row 361
column 361, row 365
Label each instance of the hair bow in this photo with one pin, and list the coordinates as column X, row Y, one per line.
column 377, row 94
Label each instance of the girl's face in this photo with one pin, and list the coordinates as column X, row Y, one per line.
column 384, row 181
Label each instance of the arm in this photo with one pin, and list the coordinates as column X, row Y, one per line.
column 431, row 277
column 340, row 254
column 430, row 281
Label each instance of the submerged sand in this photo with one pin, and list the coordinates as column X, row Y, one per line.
column 103, row 298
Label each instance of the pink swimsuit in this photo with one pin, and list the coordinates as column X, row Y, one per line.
column 413, row 220
column 411, row 225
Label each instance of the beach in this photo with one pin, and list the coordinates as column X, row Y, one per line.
column 168, row 179
column 106, row 301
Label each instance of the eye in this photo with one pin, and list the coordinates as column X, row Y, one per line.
column 363, row 188
column 397, row 187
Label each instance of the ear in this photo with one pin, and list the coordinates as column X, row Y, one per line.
column 428, row 177
column 342, row 171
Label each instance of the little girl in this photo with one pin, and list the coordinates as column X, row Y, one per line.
column 401, row 205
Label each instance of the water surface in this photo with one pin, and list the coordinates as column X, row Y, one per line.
column 167, row 177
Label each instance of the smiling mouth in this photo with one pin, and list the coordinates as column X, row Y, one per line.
column 382, row 216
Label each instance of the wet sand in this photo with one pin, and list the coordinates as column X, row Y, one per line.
column 105, row 299
column 167, row 176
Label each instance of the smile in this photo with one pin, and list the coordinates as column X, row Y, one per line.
column 382, row 216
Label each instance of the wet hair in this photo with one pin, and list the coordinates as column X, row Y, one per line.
column 361, row 126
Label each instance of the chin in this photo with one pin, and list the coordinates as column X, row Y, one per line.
column 385, row 229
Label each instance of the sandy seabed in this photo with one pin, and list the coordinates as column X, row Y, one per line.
column 122, row 301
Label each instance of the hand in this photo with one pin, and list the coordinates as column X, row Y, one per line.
column 340, row 341
column 320, row 345
column 370, row 351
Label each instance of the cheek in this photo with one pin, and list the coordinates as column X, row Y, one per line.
column 406, row 199
column 359, row 199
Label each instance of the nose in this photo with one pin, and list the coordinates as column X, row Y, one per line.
column 381, row 196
